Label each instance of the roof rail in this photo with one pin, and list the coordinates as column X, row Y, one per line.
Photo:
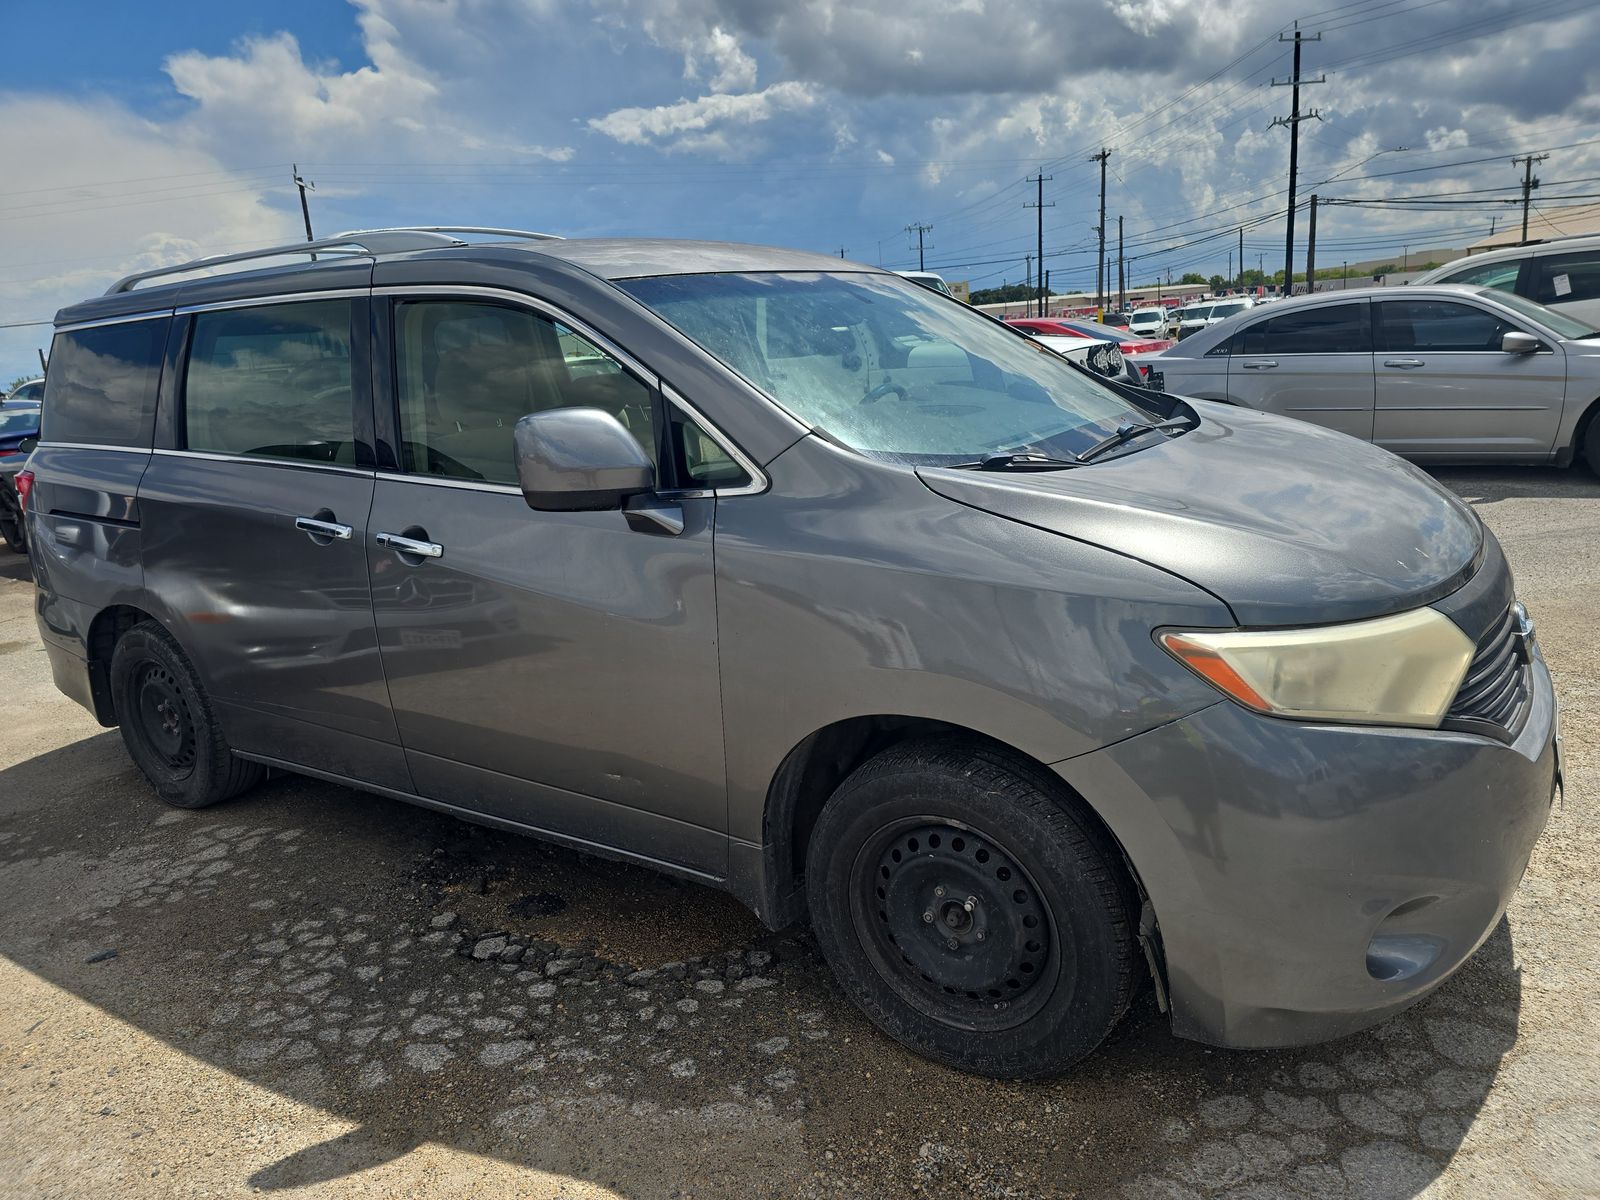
column 480, row 229
column 355, row 242
column 366, row 243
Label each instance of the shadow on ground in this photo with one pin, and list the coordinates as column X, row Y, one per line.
column 438, row 982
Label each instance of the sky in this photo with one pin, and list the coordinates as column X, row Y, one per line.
column 137, row 135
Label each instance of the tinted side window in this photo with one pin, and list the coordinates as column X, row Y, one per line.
column 468, row 371
column 1336, row 329
column 1501, row 275
column 1563, row 278
column 271, row 382
column 1438, row 325
column 101, row 389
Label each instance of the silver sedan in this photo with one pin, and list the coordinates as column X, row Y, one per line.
column 1442, row 373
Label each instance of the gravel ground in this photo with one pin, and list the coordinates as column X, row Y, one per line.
column 314, row 991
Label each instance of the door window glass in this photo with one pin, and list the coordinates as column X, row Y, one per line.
column 1499, row 275
column 468, row 371
column 101, row 389
column 271, row 382
column 1335, row 329
column 1439, row 325
column 1564, row 278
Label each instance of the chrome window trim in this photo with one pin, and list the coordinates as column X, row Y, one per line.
column 94, row 446
column 467, row 485
column 125, row 319
column 522, row 300
column 299, row 464
column 268, row 301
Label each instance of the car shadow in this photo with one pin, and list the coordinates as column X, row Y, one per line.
column 437, row 982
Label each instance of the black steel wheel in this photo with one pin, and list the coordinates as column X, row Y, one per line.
column 167, row 723
column 954, row 922
column 972, row 909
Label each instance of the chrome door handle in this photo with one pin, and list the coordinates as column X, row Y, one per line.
column 1404, row 364
column 327, row 529
column 405, row 545
column 1260, row 364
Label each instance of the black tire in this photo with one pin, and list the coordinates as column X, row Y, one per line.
column 167, row 723
column 1591, row 443
column 1034, row 896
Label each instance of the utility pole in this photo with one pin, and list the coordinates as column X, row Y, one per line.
column 1040, row 179
column 841, row 251
column 305, row 209
column 1100, row 269
column 1293, row 122
column 1311, row 249
column 1044, row 311
column 1344, row 276
column 1122, row 282
column 1241, row 256
column 1230, row 268
column 919, row 229
column 1528, row 184
column 1027, row 280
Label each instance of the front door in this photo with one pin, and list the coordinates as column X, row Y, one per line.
column 554, row 669
column 1313, row 363
column 254, row 528
column 1447, row 389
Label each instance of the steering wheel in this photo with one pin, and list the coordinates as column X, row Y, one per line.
column 882, row 390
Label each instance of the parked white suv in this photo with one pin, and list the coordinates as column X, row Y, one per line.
column 1197, row 317
column 1148, row 322
column 1563, row 275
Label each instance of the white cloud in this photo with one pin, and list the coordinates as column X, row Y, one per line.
column 104, row 194
column 703, row 122
column 734, row 70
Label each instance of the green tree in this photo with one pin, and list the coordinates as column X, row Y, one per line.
column 1006, row 293
column 1217, row 283
column 1192, row 277
column 19, row 381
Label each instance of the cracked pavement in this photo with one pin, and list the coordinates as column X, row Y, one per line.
column 314, row 991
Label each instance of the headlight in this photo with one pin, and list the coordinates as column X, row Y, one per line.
column 1399, row 670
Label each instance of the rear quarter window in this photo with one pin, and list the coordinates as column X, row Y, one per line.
column 102, row 384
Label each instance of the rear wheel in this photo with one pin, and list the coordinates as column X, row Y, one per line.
column 167, row 723
column 970, row 912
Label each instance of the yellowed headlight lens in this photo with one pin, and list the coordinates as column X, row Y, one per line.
column 1399, row 670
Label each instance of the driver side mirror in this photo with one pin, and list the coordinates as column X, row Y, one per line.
column 1519, row 343
column 579, row 460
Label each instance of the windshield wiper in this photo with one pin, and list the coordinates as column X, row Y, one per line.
column 1016, row 462
column 1127, row 432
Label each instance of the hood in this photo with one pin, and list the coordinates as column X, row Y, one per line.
column 1285, row 522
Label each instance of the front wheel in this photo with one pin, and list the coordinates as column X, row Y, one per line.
column 167, row 723
column 970, row 911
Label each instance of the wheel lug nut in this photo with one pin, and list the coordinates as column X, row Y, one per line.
column 982, row 935
column 927, row 917
column 939, row 891
column 971, row 903
column 953, row 944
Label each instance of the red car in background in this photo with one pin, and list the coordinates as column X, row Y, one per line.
column 1128, row 343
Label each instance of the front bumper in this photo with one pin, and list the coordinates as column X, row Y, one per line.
column 1309, row 880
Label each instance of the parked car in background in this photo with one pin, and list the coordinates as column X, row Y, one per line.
column 927, row 279
column 1148, row 322
column 31, row 392
column 1563, row 275
column 814, row 586
column 1128, row 343
column 1434, row 373
column 19, row 430
column 1100, row 354
column 1198, row 316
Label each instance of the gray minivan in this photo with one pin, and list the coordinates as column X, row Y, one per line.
column 795, row 578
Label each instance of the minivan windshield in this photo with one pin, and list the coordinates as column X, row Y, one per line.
column 888, row 368
column 1564, row 324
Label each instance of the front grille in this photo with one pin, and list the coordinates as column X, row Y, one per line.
column 1496, row 689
